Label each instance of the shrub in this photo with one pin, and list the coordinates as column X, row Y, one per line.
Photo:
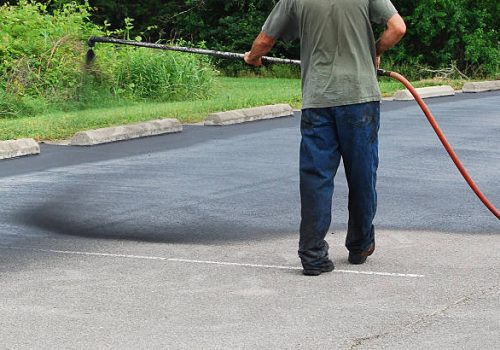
column 42, row 63
column 40, row 55
column 159, row 75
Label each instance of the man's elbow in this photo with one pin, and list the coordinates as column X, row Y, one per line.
column 401, row 29
column 397, row 26
column 266, row 40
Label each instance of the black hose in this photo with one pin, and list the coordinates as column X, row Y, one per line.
column 220, row 54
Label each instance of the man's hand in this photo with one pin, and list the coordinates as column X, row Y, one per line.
column 261, row 46
column 377, row 62
column 253, row 61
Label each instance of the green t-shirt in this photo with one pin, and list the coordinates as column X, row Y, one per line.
column 337, row 47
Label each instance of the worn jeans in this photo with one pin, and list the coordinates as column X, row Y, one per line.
column 350, row 132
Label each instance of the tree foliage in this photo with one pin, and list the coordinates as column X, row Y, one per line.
column 440, row 32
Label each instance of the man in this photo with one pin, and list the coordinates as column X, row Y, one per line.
column 340, row 112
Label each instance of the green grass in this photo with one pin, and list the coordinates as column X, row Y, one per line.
column 230, row 93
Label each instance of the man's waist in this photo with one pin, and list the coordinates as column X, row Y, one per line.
column 325, row 103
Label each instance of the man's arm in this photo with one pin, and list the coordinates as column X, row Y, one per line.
column 396, row 29
column 261, row 46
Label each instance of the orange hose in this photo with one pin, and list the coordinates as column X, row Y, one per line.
column 443, row 140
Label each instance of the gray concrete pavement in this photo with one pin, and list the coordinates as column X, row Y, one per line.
column 425, row 92
column 248, row 115
column 482, row 86
column 17, row 148
column 126, row 132
column 189, row 241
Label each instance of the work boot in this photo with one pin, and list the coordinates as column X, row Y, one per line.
column 326, row 266
column 360, row 258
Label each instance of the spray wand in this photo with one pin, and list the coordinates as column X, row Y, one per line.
column 219, row 54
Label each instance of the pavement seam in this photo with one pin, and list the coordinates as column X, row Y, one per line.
column 426, row 320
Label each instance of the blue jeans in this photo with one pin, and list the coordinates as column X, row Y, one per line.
column 350, row 132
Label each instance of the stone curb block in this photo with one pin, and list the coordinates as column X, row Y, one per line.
column 249, row 114
column 482, row 86
column 425, row 92
column 18, row 148
column 126, row 132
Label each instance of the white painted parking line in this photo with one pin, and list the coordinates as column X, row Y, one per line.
column 294, row 268
column 223, row 263
column 207, row 262
column 72, row 252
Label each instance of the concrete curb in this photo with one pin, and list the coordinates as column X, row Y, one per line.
column 126, row 132
column 482, row 86
column 249, row 114
column 18, row 148
column 425, row 92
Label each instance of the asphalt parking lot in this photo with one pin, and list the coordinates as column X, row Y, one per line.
column 189, row 241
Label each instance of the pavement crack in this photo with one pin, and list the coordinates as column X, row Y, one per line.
column 357, row 342
column 426, row 320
